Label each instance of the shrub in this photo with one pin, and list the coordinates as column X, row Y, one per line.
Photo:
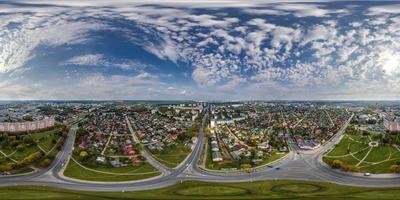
column 29, row 159
column 353, row 168
column 27, row 139
column 344, row 167
column 21, row 147
column 395, row 168
column 336, row 164
column 6, row 167
column 45, row 162
column 83, row 155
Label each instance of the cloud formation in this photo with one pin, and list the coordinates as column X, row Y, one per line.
column 310, row 50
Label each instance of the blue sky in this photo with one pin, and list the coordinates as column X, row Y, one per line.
column 202, row 50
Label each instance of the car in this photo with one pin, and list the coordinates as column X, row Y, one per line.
column 270, row 166
column 6, row 173
column 278, row 168
column 367, row 174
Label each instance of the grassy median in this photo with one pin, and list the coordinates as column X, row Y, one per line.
column 110, row 174
column 172, row 156
column 282, row 189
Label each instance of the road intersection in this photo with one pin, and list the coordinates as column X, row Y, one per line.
column 298, row 165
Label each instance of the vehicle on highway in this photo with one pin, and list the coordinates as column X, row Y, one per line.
column 278, row 168
column 367, row 174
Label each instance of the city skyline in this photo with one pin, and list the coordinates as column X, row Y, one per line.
column 225, row 50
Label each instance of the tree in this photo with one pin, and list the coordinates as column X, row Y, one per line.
column 27, row 139
column 64, row 128
column 27, row 118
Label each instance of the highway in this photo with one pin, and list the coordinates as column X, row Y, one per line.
column 298, row 165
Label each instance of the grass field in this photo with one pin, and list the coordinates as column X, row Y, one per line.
column 48, row 142
column 172, row 156
column 355, row 150
column 282, row 189
column 128, row 173
column 19, row 155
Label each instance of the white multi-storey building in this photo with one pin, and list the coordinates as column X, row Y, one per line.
column 391, row 123
column 27, row 126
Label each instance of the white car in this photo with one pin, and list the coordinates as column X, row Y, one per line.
column 367, row 174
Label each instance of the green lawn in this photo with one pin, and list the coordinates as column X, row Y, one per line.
column 38, row 136
column 128, row 173
column 172, row 156
column 282, row 189
column 7, row 149
column 20, row 155
column 379, row 153
column 224, row 165
column 3, row 159
column 44, row 139
column 47, row 143
column 274, row 156
column 371, row 163
column 347, row 145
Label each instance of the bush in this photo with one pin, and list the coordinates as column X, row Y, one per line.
column 27, row 139
column 6, row 167
column 29, row 159
column 83, row 154
column 344, row 167
column 336, row 164
column 395, row 168
column 21, row 147
column 45, row 162
column 353, row 168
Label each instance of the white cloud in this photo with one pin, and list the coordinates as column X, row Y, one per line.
column 19, row 42
column 88, row 59
column 254, row 53
column 203, row 77
column 307, row 10
column 102, row 60
column 384, row 9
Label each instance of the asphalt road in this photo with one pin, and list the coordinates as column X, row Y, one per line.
column 298, row 165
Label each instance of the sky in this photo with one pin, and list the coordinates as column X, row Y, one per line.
column 199, row 50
